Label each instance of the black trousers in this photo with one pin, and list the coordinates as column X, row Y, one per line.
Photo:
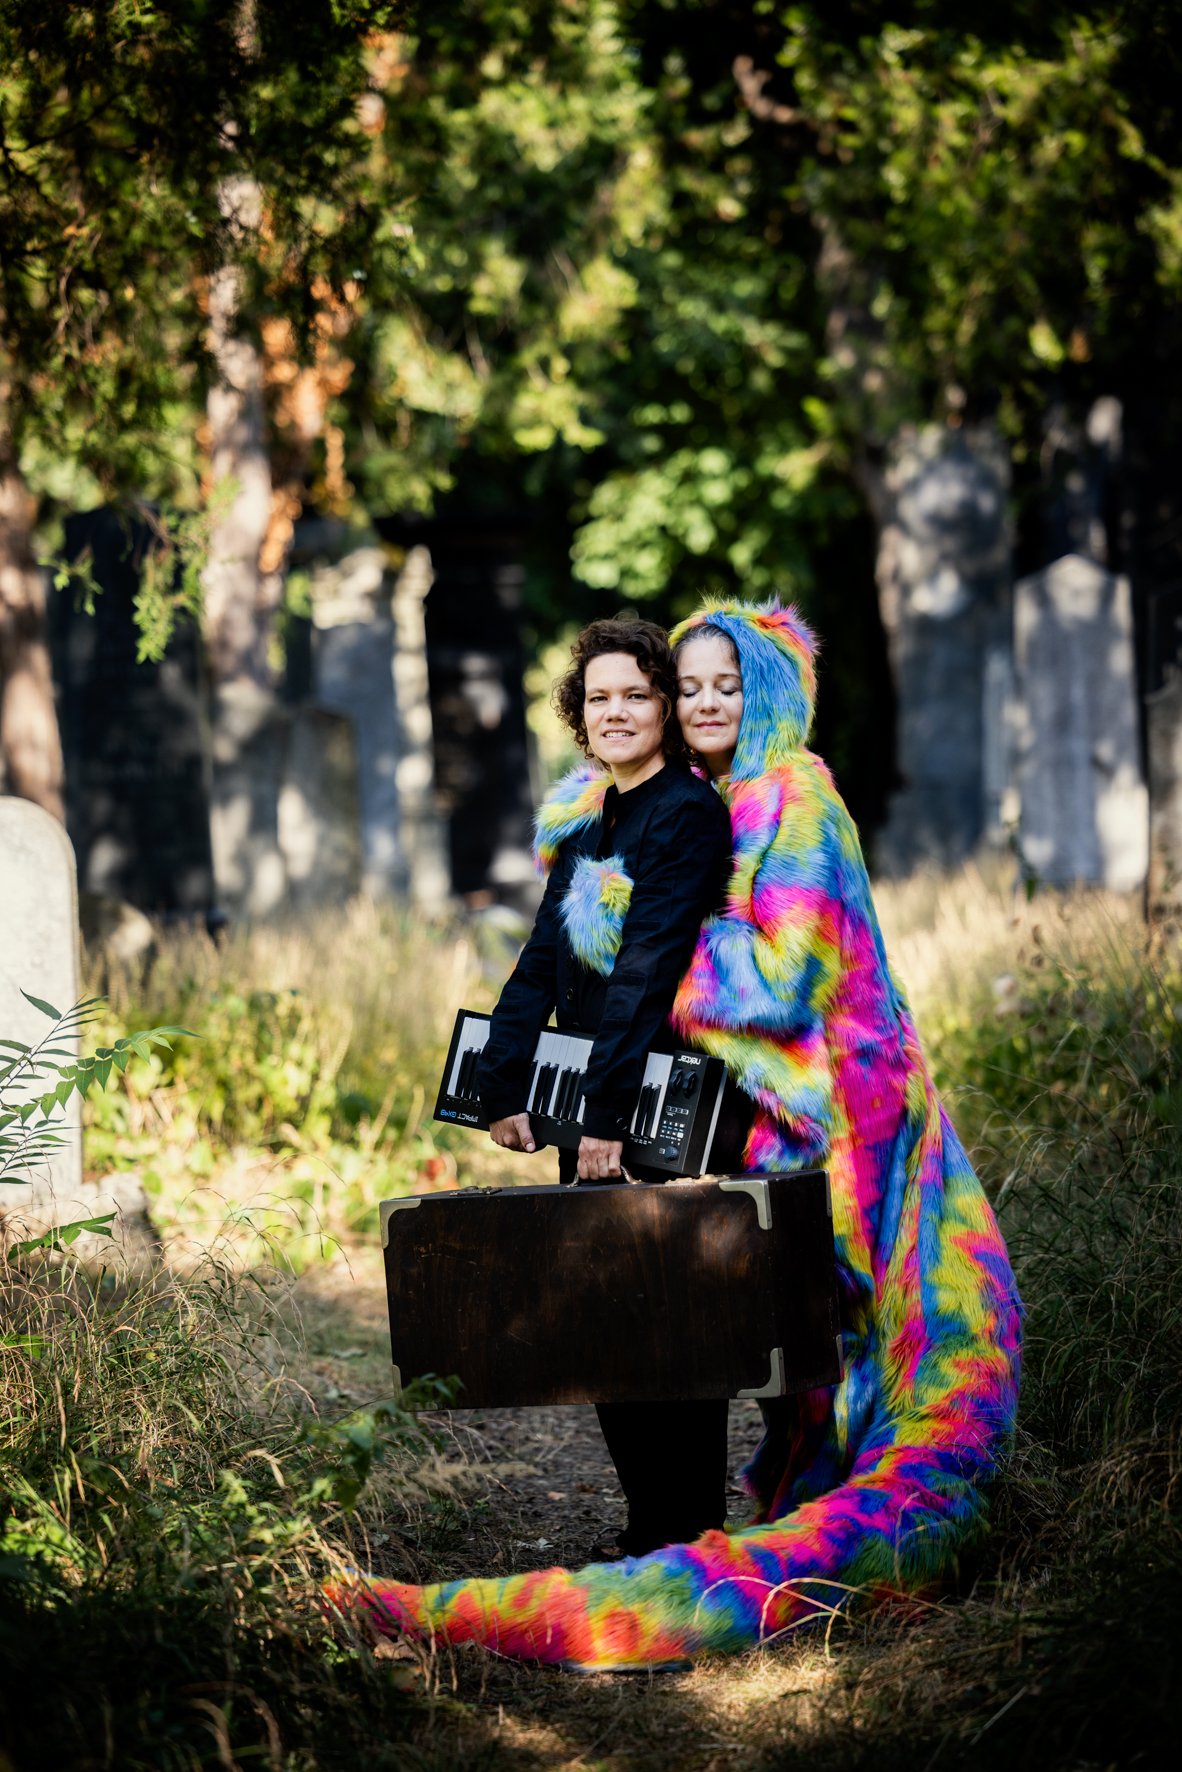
column 671, row 1462
column 671, row 1457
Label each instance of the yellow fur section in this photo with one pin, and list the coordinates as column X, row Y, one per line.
column 615, row 893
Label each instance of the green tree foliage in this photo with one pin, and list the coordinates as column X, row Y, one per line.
column 609, row 319
column 995, row 199
column 665, row 277
column 131, row 133
column 596, row 284
column 694, row 256
column 999, row 210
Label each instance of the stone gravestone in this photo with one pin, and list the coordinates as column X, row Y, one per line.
column 424, row 857
column 1163, row 719
column 39, row 954
column 944, row 592
column 284, row 816
column 318, row 815
column 1084, row 807
column 362, row 654
column 472, row 618
column 353, row 674
column 137, row 805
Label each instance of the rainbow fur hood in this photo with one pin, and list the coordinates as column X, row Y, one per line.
column 874, row 1485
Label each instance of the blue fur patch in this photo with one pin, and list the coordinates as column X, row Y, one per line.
column 594, row 910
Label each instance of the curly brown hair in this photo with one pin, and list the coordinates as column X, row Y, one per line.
column 648, row 644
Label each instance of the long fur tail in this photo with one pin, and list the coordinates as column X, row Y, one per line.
column 890, row 1528
column 872, row 1490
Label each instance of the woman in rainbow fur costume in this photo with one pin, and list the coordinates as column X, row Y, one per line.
column 876, row 1484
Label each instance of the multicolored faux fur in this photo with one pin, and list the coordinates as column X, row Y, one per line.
column 877, row 1484
column 594, row 909
column 573, row 804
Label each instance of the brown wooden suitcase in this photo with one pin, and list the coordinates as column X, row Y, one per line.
column 725, row 1287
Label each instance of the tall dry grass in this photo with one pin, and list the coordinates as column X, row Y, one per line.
column 305, row 1095
column 169, row 1504
column 1054, row 1029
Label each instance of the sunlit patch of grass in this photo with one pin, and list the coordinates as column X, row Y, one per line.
column 305, row 1096
column 168, row 1505
column 1055, row 1030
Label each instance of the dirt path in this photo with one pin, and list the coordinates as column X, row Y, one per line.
column 535, row 1487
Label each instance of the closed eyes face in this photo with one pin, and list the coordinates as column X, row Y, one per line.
column 710, row 700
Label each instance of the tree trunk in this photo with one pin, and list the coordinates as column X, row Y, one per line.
column 245, row 721
column 30, row 746
column 239, row 603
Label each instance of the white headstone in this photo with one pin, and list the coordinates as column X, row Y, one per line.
column 1164, row 711
column 38, row 954
column 943, row 581
column 427, row 874
column 1084, row 806
column 354, row 676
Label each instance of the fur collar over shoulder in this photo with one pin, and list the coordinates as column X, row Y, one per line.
column 572, row 805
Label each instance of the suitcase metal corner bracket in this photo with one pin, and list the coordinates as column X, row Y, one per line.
column 389, row 1206
column 762, row 1195
column 776, row 1385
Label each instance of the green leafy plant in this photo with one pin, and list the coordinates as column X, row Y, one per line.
column 351, row 1447
column 171, row 573
column 167, row 1512
column 31, row 1115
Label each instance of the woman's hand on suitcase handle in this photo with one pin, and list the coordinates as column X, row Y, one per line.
column 513, row 1133
column 599, row 1158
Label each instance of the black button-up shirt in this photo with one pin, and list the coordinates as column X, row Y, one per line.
column 674, row 836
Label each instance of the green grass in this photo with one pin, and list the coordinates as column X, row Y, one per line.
column 155, row 1603
column 168, row 1509
column 305, row 1096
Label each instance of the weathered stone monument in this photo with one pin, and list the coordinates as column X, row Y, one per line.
column 39, row 955
column 284, row 815
column 137, row 801
column 318, row 816
column 472, row 619
column 944, row 593
column 1163, row 707
column 332, row 792
column 424, row 859
column 366, row 662
column 353, row 674
column 1084, row 806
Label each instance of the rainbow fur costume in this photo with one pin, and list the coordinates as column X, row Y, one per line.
column 873, row 1485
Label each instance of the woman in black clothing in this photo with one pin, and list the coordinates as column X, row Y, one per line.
column 639, row 853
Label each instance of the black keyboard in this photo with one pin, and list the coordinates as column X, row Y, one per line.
column 676, row 1114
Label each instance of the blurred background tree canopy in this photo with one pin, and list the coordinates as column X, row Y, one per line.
column 667, row 277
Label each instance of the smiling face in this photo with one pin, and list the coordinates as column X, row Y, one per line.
column 625, row 718
column 710, row 700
